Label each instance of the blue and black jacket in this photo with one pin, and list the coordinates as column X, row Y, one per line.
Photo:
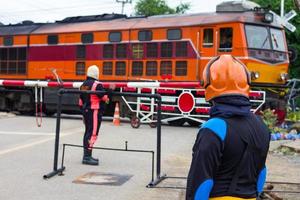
column 230, row 152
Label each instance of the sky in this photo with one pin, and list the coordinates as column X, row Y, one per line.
column 15, row 11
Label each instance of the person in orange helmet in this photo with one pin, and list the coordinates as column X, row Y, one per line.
column 230, row 150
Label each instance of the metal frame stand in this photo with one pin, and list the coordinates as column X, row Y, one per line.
column 111, row 149
column 61, row 92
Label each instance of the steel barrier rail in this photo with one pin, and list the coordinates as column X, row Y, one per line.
column 77, row 84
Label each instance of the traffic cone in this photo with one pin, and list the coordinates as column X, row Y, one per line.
column 116, row 120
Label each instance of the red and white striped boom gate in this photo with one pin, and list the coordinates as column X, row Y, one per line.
column 181, row 101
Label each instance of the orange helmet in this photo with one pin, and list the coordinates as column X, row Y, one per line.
column 225, row 76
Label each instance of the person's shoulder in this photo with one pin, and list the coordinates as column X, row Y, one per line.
column 217, row 125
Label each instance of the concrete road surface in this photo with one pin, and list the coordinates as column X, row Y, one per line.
column 26, row 154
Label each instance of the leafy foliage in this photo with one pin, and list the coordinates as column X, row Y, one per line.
column 158, row 7
column 294, row 116
column 293, row 38
column 270, row 119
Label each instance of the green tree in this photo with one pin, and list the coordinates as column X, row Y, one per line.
column 292, row 38
column 158, row 7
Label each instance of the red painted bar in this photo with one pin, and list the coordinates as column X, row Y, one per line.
column 144, row 107
column 166, row 91
column 13, row 83
column 129, row 89
column 146, row 90
column 180, row 84
column 168, row 108
column 200, row 93
column 68, row 84
column 255, row 94
column 202, row 110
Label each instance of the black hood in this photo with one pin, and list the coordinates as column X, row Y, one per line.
column 230, row 106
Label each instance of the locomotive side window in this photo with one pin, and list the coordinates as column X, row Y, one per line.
column 145, row 35
column 22, row 54
column 151, row 68
column 137, row 51
column 181, row 49
column 12, row 67
column 174, row 34
column 87, row 38
column 108, row 51
column 225, row 39
column 208, row 37
column 181, row 68
column 12, row 64
column 21, row 67
column 107, row 68
column 165, row 68
column 8, row 41
column 22, row 60
column 52, row 39
column 81, row 51
column 3, row 61
column 115, row 37
column 121, row 51
column 166, row 49
column 80, row 68
column 152, row 50
column 120, row 68
column 137, row 68
column 12, row 54
column 13, row 60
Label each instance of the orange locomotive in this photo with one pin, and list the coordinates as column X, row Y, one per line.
column 163, row 48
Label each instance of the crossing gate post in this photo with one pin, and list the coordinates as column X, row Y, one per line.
column 56, row 144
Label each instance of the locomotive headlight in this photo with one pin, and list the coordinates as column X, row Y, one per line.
column 268, row 17
column 254, row 75
column 284, row 76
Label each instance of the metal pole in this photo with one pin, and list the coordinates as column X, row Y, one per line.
column 123, row 4
column 56, row 145
column 158, row 146
column 57, row 132
column 282, row 8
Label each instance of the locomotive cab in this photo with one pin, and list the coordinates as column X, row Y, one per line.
column 262, row 39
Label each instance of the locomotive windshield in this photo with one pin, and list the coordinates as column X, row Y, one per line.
column 259, row 37
column 277, row 39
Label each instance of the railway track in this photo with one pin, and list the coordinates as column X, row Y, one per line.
column 275, row 190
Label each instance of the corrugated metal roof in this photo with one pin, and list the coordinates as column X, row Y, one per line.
column 162, row 21
column 150, row 22
column 17, row 29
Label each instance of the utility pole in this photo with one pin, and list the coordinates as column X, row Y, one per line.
column 282, row 8
column 123, row 3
